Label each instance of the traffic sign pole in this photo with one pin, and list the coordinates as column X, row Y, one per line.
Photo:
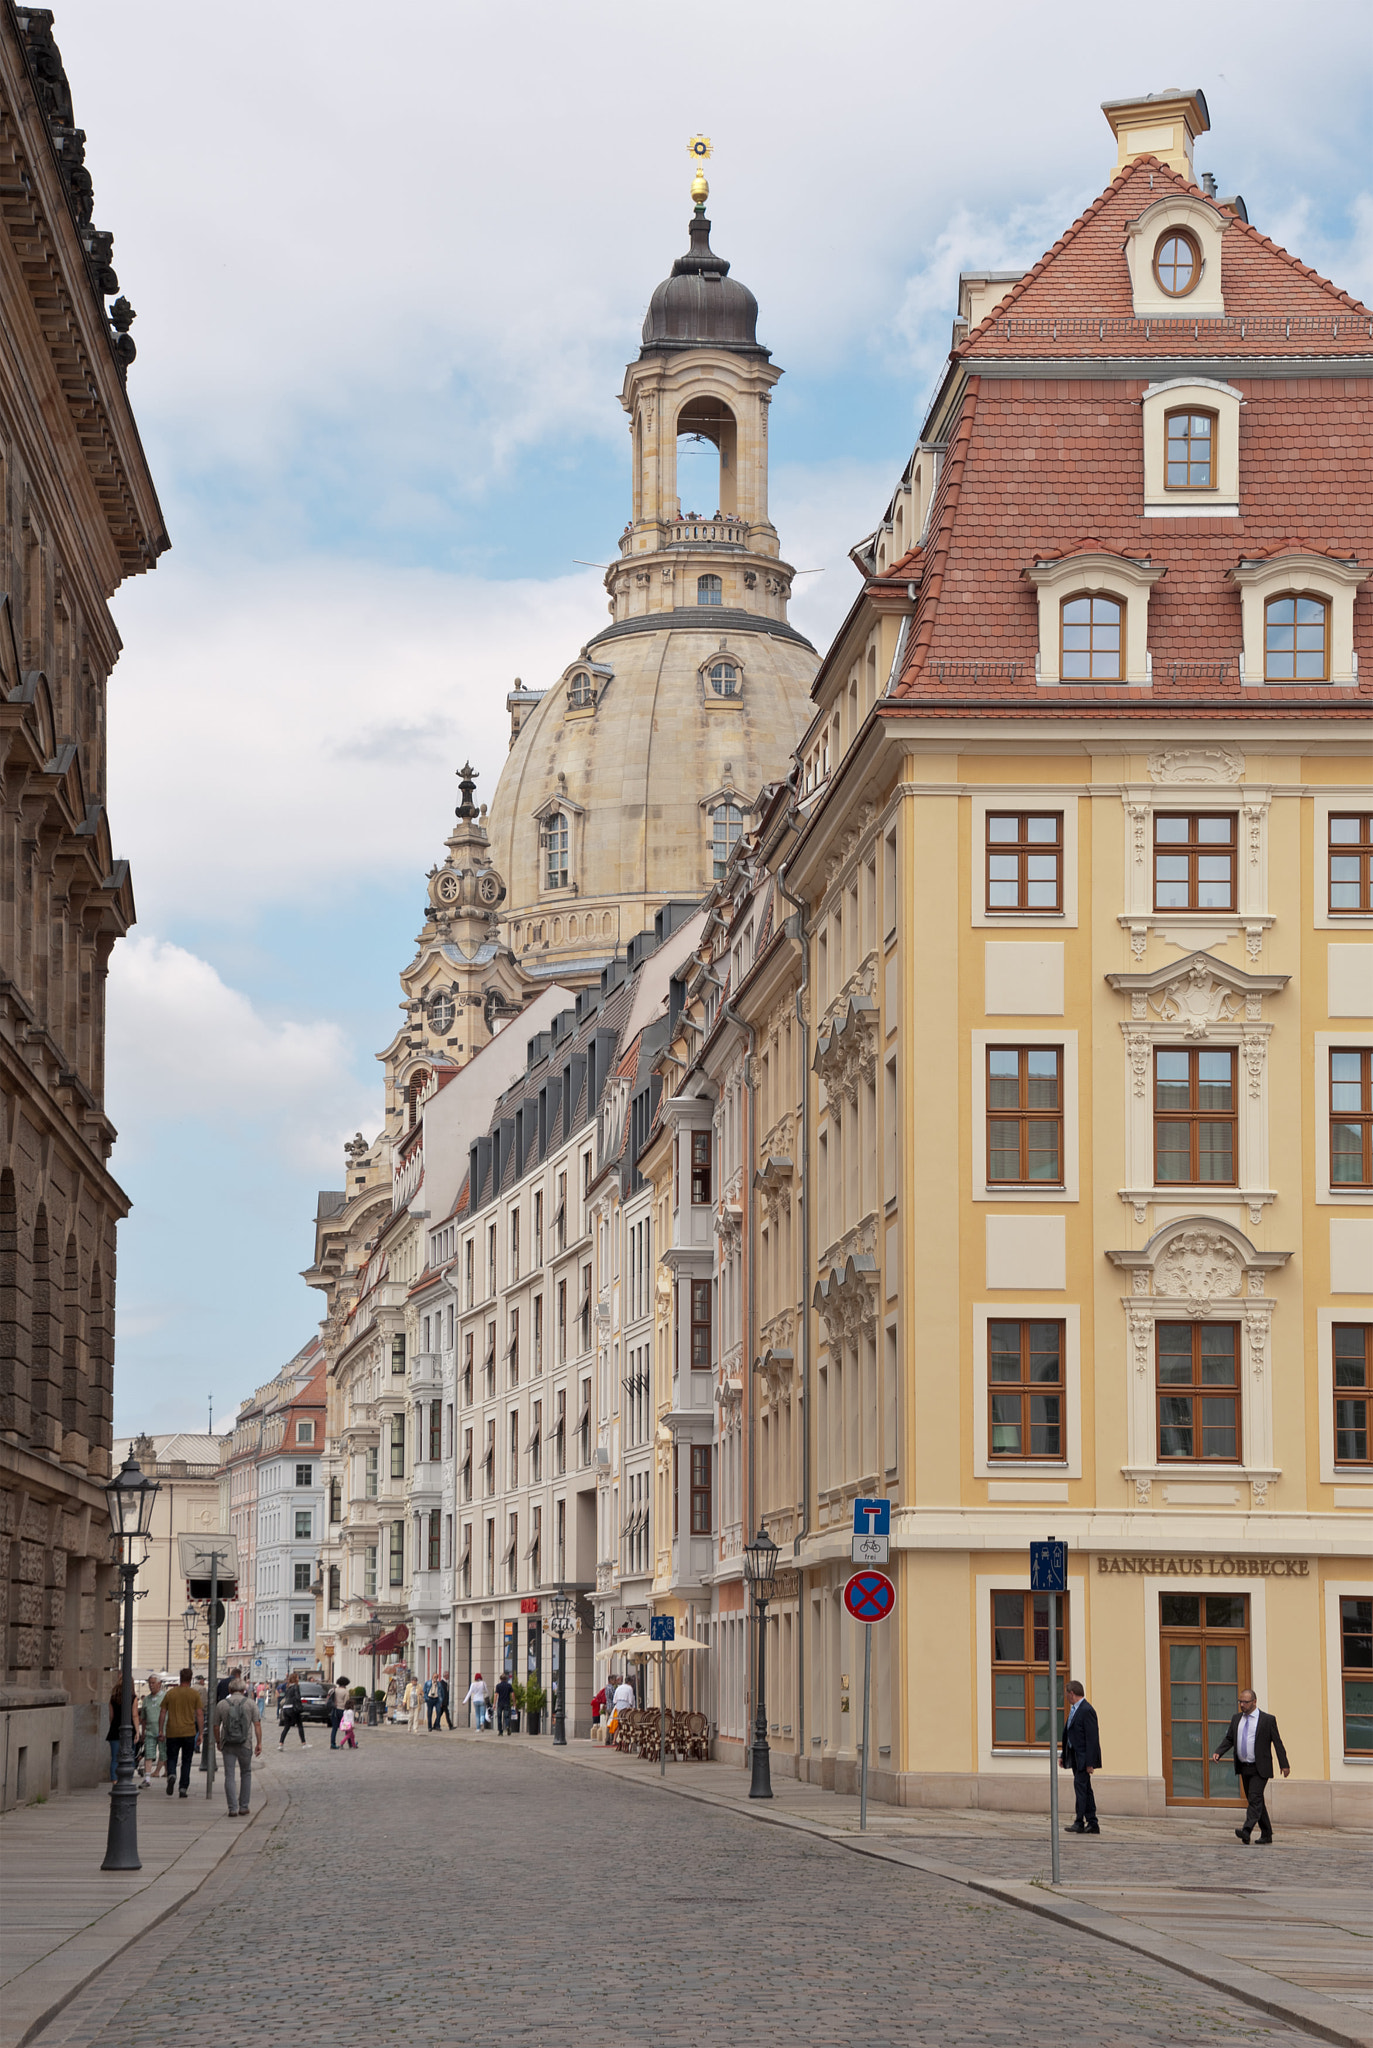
column 867, row 1696
column 1053, row 1733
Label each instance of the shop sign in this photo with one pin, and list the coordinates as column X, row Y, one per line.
column 1225, row 1566
column 530, row 1606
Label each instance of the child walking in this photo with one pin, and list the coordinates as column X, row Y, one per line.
column 345, row 1729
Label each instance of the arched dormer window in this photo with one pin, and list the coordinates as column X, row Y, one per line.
column 709, row 590
column 441, row 1014
column 1177, row 263
column 553, row 844
column 723, row 677
column 1092, row 644
column 1190, row 452
column 1296, row 639
column 580, row 691
column 727, row 822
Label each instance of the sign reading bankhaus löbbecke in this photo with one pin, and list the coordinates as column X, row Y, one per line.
column 1224, row 1566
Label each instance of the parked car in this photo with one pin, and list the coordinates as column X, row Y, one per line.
column 314, row 1701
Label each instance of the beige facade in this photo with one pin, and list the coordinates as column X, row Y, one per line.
column 187, row 1470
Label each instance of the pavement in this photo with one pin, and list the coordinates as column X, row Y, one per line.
column 63, row 1919
column 500, row 1889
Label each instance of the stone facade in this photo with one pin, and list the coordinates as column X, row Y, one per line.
column 78, row 514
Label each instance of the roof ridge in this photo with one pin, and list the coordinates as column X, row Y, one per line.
column 999, row 310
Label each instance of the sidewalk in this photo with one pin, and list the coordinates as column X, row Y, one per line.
column 63, row 1918
column 1288, row 1929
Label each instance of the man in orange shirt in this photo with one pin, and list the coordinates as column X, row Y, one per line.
column 182, row 1719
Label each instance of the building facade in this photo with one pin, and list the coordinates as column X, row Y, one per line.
column 78, row 514
column 186, row 1467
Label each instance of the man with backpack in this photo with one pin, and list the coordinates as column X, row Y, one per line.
column 238, row 1737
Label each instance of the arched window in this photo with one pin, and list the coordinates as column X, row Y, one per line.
column 1177, row 263
column 442, row 1011
column 1092, row 647
column 726, row 825
column 709, row 590
column 580, row 692
column 724, row 679
column 1296, row 639
column 554, row 840
column 1191, row 451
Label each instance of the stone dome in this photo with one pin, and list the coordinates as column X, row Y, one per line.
column 637, row 776
column 700, row 304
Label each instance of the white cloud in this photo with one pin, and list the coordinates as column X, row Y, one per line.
column 185, row 1048
column 276, row 733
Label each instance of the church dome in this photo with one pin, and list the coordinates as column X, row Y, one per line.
column 701, row 305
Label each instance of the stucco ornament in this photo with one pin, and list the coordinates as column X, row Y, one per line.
column 1201, row 1266
column 1196, row 764
column 1196, row 1001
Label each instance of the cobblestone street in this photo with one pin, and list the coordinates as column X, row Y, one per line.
column 443, row 1890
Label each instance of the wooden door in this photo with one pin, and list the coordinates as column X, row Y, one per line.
column 1204, row 1655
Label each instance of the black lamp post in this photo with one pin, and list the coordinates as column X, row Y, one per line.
column 563, row 1623
column 760, row 1569
column 131, row 1498
column 189, row 1617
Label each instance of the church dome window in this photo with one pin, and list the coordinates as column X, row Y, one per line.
column 553, row 842
column 727, row 822
column 442, row 1011
column 580, row 693
column 709, row 590
column 724, row 679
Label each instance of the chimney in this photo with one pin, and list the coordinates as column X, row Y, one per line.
column 1162, row 124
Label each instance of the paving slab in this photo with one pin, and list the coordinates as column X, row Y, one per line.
column 63, row 1919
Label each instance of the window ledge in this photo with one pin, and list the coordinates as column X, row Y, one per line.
column 1196, row 508
column 1198, row 1469
column 1013, row 1195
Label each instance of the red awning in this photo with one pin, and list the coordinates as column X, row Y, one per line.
column 394, row 1639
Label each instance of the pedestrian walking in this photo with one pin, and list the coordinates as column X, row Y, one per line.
column 504, row 1693
column 292, row 1715
column 154, row 1749
column 414, row 1705
column 182, row 1719
column 1080, row 1753
column 346, row 1735
column 431, row 1704
column 444, row 1713
column 238, row 1738
column 338, row 1707
column 476, row 1697
column 1253, row 1736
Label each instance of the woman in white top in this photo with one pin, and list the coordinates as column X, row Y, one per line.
column 476, row 1697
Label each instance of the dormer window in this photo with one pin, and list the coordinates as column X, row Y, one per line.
column 1177, row 263
column 580, row 693
column 1296, row 640
column 724, row 678
column 553, row 842
column 1092, row 640
column 1189, row 453
column 709, row 590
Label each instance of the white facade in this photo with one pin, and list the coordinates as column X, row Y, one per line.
column 289, row 1528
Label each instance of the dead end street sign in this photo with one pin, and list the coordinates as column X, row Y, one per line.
column 871, row 1531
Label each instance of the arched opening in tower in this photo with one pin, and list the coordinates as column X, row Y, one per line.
column 707, row 452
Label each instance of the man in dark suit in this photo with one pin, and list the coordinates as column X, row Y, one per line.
column 1080, row 1753
column 1253, row 1737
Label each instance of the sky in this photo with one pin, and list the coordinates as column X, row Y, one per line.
column 388, row 269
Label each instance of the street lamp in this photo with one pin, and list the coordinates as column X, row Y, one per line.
column 563, row 1624
column 130, row 1498
column 760, row 1569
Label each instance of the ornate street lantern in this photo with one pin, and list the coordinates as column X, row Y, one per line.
column 130, row 1498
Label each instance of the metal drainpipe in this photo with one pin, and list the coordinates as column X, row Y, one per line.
column 727, row 1009
column 803, row 1178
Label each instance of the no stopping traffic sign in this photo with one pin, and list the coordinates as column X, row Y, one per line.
column 870, row 1596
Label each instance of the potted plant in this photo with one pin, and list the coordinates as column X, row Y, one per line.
column 516, row 1705
column 534, row 1701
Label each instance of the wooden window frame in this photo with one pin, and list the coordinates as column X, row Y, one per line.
column 710, row 589
column 435, row 1432
column 1360, row 1119
column 1352, row 1674
column 1021, row 849
column 1175, row 234
column 701, row 1162
column 702, row 1491
column 1352, row 1395
column 1025, row 1389
column 1360, row 849
column 1191, row 412
column 434, row 1538
column 701, row 1321
column 1024, row 1115
column 1195, row 849
column 1092, row 597
column 1028, row 1669
column 395, row 1555
column 1204, row 1633
column 1194, row 1117
column 1197, row 1390
column 1295, row 597
column 397, row 1448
